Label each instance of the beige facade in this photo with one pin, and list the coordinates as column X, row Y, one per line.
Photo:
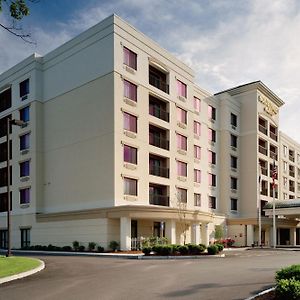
column 124, row 144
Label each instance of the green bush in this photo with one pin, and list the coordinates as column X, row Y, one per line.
column 202, row 247
column 166, row 250
column 183, row 249
column 113, row 245
column 75, row 245
column 157, row 249
column 92, row 246
column 147, row 250
column 175, row 248
column 288, row 289
column 81, row 248
column 194, row 249
column 100, row 249
column 212, row 249
column 67, row 248
column 220, row 247
column 292, row 271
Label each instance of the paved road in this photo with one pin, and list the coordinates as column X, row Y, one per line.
column 234, row 277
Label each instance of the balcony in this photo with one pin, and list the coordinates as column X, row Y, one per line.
column 5, row 99
column 158, row 137
column 158, row 109
column 158, row 79
column 158, row 166
column 158, row 195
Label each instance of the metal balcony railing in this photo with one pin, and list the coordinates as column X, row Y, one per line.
column 162, row 200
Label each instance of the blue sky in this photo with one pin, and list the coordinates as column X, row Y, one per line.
column 226, row 42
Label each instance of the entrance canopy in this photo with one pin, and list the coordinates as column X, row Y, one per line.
column 287, row 208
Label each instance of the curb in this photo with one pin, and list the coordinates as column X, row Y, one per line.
column 24, row 274
column 261, row 293
column 181, row 257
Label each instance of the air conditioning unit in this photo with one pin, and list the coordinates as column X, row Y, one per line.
column 23, row 152
column 181, row 98
column 130, row 70
column 25, row 97
column 24, row 179
column 130, row 134
column 130, row 166
column 180, row 151
column 233, row 127
column 182, row 125
column 130, row 102
column 233, row 148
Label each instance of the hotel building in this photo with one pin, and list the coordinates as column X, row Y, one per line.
column 122, row 143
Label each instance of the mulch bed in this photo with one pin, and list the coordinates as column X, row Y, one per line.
column 268, row 296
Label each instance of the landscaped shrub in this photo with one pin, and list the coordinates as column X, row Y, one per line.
column 175, row 248
column 292, row 271
column 166, row 250
column 183, row 249
column 194, row 249
column 220, row 247
column 157, row 249
column 288, row 289
column 147, row 250
column 113, row 245
column 212, row 249
column 202, row 247
column 153, row 241
column 100, row 249
column 75, row 245
column 81, row 248
column 67, row 248
column 92, row 246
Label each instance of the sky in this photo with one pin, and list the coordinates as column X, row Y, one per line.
column 226, row 42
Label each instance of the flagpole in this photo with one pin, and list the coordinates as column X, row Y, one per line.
column 274, row 220
column 259, row 206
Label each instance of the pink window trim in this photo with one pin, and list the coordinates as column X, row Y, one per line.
column 181, row 142
column 130, row 90
column 209, row 111
column 197, row 128
column 181, row 168
column 130, row 122
column 130, row 58
column 197, row 176
column 197, row 152
column 181, row 89
column 181, row 115
column 197, row 104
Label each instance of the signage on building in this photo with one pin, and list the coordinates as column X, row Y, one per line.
column 269, row 108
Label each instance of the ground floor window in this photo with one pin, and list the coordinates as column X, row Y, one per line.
column 159, row 229
column 3, row 239
column 25, row 237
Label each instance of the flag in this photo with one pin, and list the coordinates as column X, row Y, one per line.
column 274, row 174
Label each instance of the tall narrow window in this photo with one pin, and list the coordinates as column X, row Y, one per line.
column 197, row 152
column 212, row 180
column 233, row 141
column 182, row 195
column 233, row 183
column 211, row 135
column 212, row 202
column 181, row 142
column 25, row 196
column 130, row 154
column 197, row 128
column 130, row 186
column 25, row 237
column 24, row 114
column 181, row 89
column 233, row 162
column 24, row 88
column 130, row 90
column 197, row 199
column 181, row 168
column 212, row 157
column 25, row 141
column 211, row 112
column 197, row 176
column 197, row 104
column 181, row 115
column 233, row 205
column 130, row 122
column 25, row 168
column 233, row 120
column 130, row 58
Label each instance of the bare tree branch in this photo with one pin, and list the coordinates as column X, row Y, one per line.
column 13, row 30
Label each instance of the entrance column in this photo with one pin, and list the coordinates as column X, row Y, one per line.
column 204, row 234
column 250, row 235
column 293, row 236
column 196, row 233
column 125, row 233
column 171, row 231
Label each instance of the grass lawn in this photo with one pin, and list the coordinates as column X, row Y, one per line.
column 14, row 265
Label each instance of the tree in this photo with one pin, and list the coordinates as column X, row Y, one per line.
column 16, row 10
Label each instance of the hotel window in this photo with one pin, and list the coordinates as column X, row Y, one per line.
column 130, row 122
column 233, row 141
column 25, row 196
column 233, row 183
column 285, row 181
column 3, row 202
column 130, row 154
column 25, row 237
column 197, row 104
column 5, row 99
column 298, row 158
column 130, row 58
column 212, row 202
column 212, row 157
column 211, row 135
column 25, row 141
column 211, row 112
column 197, row 176
column 285, row 196
column 285, row 166
column 285, row 150
column 24, row 114
column 233, row 162
column 25, row 168
column 181, row 89
column 233, row 120
column 197, row 152
column 233, row 205
column 197, row 128
column 130, row 186
column 3, row 239
column 181, row 142
column 24, row 88
column 197, row 199
column 212, row 179
column 182, row 195
column 181, row 115
column 130, row 90
column 181, row 168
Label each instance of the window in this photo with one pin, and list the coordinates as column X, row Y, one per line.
column 181, row 115
column 285, row 150
column 3, row 151
column 24, row 88
column 181, row 142
column 24, row 114
column 130, row 122
column 233, row 183
column 233, row 204
column 211, row 135
column 197, row 128
column 233, row 141
column 181, row 168
column 25, row 168
column 181, row 89
column 197, row 176
column 130, row 58
column 25, row 196
column 4, row 177
column 197, row 152
column 212, row 157
column 130, row 186
column 3, row 239
column 130, row 154
column 197, row 104
column 3, row 126
column 3, row 202
column 5, row 100
column 285, row 181
column 25, row 141
column 233, row 162
column 25, row 237
column 197, row 199
column 130, row 90
column 285, row 196
column 182, row 195
column 233, row 120
column 212, row 179
column 211, row 112
column 284, row 166
column 212, row 202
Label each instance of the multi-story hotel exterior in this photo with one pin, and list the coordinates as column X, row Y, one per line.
column 120, row 142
